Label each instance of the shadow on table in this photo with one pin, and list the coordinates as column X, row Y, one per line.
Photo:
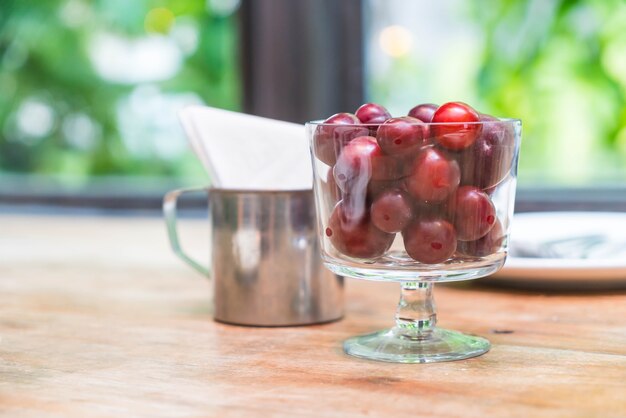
column 493, row 285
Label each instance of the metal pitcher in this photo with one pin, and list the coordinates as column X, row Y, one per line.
column 265, row 260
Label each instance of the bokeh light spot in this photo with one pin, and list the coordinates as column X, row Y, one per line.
column 159, row 20
column 222, row 8
column 75, row 13
column 614, row 59
column 134, row 60
column 81, row 131
column 395, row 41
column 35, row 119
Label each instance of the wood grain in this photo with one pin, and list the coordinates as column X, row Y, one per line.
column 98, row 319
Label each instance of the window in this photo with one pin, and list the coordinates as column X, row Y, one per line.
column 90, row 90
column 560, row 66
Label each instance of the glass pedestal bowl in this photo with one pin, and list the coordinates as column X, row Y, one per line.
column 416, row 215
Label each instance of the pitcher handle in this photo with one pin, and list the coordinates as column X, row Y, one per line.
column 169, row 210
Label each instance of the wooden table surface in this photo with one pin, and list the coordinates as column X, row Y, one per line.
column 99, row 319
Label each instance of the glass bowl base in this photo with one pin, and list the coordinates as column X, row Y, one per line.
column 435, row 346
column 446, row 272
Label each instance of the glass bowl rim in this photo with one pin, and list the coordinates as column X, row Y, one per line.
column 512, row 121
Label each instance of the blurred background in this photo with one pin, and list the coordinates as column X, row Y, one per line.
column 90, row 90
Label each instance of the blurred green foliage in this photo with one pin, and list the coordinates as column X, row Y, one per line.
column 564, row 74
column 91, row 88
column 559, row 65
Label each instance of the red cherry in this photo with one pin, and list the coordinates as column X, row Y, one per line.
column 372, row 113
column 401, row 136
column 424, row 112
column 430, row 241
column 474, row 213
column 432, row 177
column 489, row 244
column 460, row 129
column 392, row 211
column 354, row 235
column 362, row 160
column 487, row 162
column 334, row 134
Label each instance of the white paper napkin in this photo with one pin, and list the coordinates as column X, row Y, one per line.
column 242, row 151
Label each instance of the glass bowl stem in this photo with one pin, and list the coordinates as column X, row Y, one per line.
column 416, row 316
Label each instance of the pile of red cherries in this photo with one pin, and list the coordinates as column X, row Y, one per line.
column 428, row 176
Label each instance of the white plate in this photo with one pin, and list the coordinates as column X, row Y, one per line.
column 589, row 250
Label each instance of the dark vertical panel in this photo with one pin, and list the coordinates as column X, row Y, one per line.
column 301, row 59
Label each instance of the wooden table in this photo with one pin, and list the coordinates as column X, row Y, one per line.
column 98, row 319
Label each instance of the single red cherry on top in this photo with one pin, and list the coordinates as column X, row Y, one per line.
column 362, row 159
column 334, row 134
column 424, row 112
column 474, row 213
column 432, row 177
column 356, row 236
column 372, row 113
column 460, row 129
column 392, row 211
column 398, row 136
column 430, row 241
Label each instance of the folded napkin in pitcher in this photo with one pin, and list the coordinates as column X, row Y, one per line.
column 248, row 152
